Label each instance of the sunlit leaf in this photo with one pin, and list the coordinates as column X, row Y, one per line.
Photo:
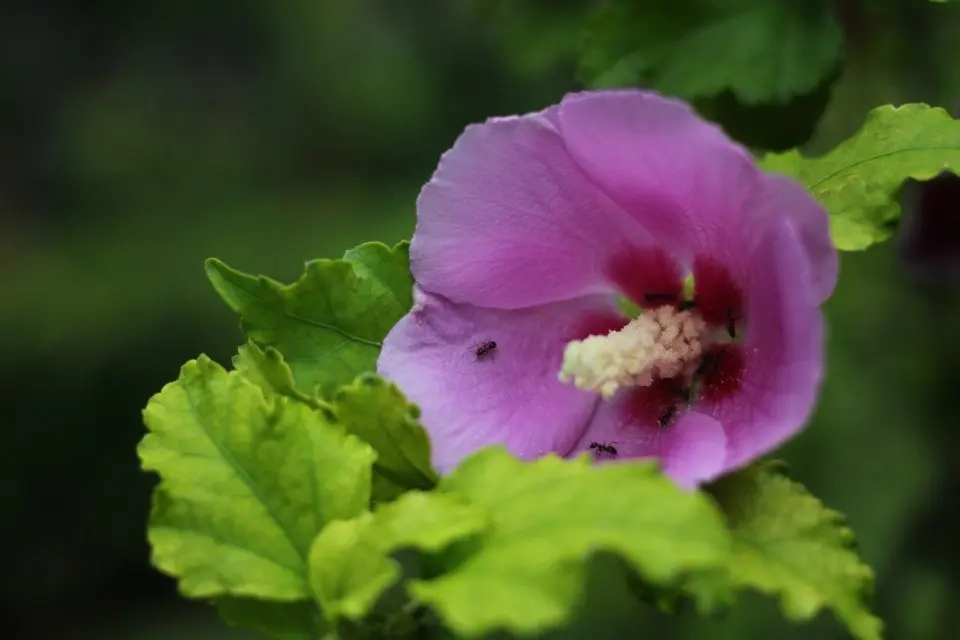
column 547, row 517
column 370, row 408
column 788, row 544
column 857, row 181
column 350, row 563
column 247, row 482
column 268, row 369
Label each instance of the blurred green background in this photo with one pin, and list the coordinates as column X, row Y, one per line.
column 138, row 138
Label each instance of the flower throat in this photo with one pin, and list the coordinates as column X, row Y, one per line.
column 670, row 353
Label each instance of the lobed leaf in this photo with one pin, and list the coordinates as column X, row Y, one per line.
column 247, row 482
column 377, row 412
column 330, row 323
column 526, row 572
column 350, row 563
column 787, row 543
column 370, row 408
column 857, row 181
column 762, row 51
column 387, row 268
column 268, row 369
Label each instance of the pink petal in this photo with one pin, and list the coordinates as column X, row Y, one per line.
column 678, row 175
column 691, row 450
column 780, row 197
column 509, row 220
column 512, row 396
column 783, row 351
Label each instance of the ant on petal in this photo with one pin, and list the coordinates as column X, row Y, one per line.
column 485, row 349
column 604, row 447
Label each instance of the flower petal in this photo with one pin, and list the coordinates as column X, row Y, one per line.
column 678, row 175
column 508, row 220
column 781, row 197
column 687, row 183
column 510, row 396
column 691, row 450
column 783, row 351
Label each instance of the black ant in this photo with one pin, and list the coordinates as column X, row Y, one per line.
column 686, row 305
column 602, row 447
column 485, row 349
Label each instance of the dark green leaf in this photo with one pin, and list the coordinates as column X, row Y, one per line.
column 772, row 126
column 536, row 34
column 762, row 51
column 281, row 620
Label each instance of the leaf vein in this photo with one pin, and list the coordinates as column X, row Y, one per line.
column 245, row 477
column 881, row 156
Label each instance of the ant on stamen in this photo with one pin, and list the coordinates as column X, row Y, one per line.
column 602, row 447
column 485, row 349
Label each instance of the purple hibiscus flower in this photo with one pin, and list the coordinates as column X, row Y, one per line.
column 530, row 229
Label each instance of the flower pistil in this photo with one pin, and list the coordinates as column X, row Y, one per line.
column 661, row 343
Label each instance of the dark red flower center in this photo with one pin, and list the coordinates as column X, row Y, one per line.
column 652, row 279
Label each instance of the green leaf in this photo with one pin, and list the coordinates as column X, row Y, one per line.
column 268, row 369
column 387, row 269
column 281, row 620
column 786, row 543
column 760, row 50
column 377, row 412
column 370, row 408
column 526, row 573
column 771, row 126
column 330, row 323
column 857, row 181
column 350, row 563
column 247, row 482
